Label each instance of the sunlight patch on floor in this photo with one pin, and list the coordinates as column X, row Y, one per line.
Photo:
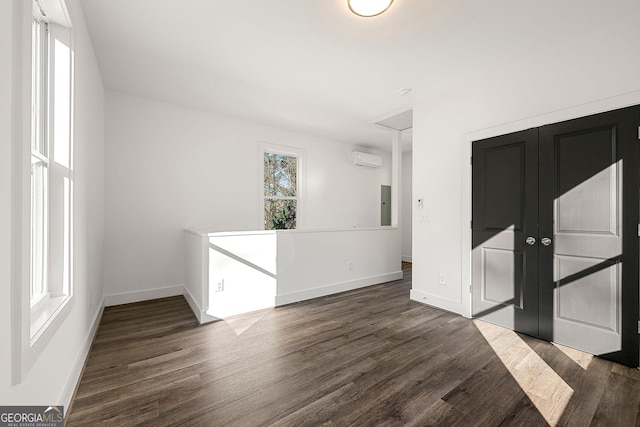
column 581, row 358
column 242, row 323
column 544, row 387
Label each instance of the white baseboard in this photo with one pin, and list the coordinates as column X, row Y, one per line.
column 78, row 364
column 137, row 296
column 438, row 302
column 203, row 317
column 197, row 311
column 406, row 258
column 335, row 288
column 200, row 314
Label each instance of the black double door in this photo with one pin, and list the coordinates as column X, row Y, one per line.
column 555, row 233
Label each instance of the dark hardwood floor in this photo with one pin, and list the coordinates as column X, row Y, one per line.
column 369, row 357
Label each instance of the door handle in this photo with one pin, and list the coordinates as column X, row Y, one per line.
column 530, row 240
column 545, row 241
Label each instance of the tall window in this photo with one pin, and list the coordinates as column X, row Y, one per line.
column 51, row 169
column 39, row 161
column 281, row 195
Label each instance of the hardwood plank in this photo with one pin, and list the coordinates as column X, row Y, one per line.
column 439, row 414
column 615, row 409
column 368, row 357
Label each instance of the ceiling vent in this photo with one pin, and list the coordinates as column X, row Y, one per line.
column 366, row 159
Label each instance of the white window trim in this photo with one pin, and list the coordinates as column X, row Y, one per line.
column 39, row 291
column 58, row 198
column 301, row 155
column 32, row 327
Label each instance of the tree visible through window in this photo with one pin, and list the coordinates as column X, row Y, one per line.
column 280, row 191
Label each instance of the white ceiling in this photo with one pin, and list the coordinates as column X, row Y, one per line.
column 314, row 67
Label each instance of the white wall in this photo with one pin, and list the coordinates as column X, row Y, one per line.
column 52, row 378
column 237, row 272
column 170, row 168
column 245, row 267
column 314, row 264
column 6, row 66
column 406, row 207
column 576, row 76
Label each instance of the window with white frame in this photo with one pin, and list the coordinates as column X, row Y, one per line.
column 51, row 195
column 282, row 187
column 39, row 161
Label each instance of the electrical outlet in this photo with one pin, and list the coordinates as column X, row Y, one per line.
column 350, row 265
column 443, row 279
column 220, row 286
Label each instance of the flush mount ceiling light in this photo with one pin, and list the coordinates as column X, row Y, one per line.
column 368, row 8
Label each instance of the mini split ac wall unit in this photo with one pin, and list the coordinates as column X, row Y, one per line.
column 366, row 159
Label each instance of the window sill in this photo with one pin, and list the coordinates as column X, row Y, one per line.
column 44, row 314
